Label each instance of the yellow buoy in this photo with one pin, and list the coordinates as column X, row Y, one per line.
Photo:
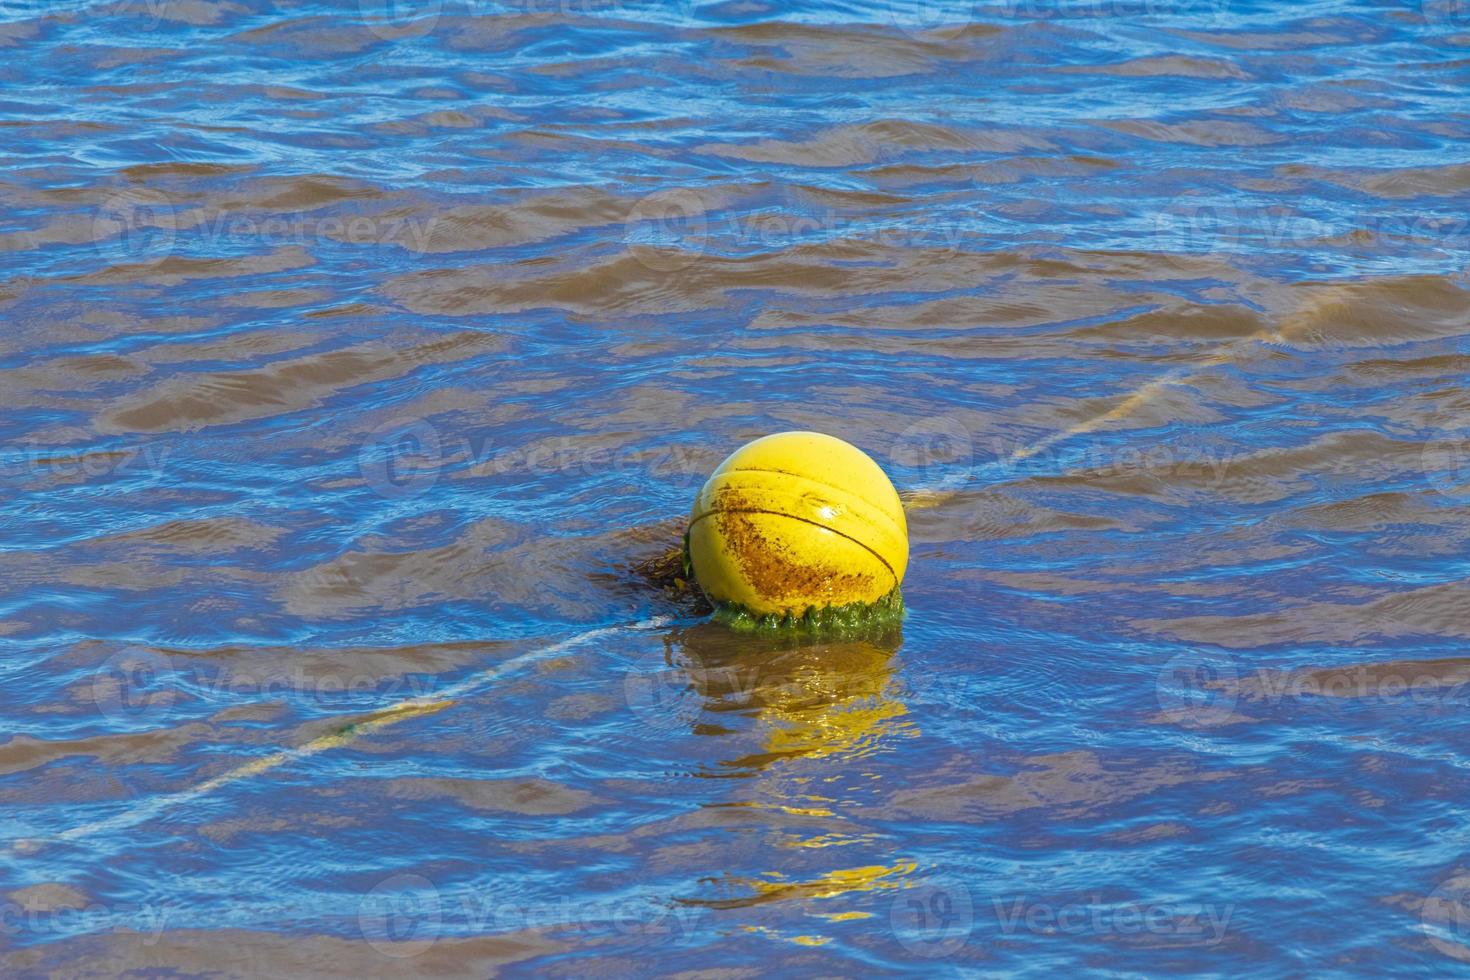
column 798, row 521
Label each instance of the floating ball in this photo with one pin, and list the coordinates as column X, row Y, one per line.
column 798, row 521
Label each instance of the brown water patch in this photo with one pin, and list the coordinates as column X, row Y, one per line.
column 233, row 346
column 174, row 270
column 189, row 402
column 241, row 954
column 1256, row 477
column 490, row 562
column 360, row 310
column 1436, row 610
column 275, row 299
column 1067, row 785
column 529, row 797
column 1373, row 681
column 1446, row 366
column 14, row 34
column 1277, row 41
column 1179, row 322
column 475, row 227
column 226, row 831
column 663, row 840
column 845, row 146
column 989, row 515
column 630, row 283
column 23, row 753
column 1214, row 133
column 148, row 172
column 1011, row 170
column 1170, row 403
column 1373, row 511
column 309, row 38
column 1170, row 65
column 856, row 51
column 1405, row 183
column 1380, row 312
column 1051, row 583
column 328, row 672
column 63, row 230
column 48, row 897
column 205, row 536
column 1151, row 832
column 30, row 386
column 1022, row 308
column 1338, row 97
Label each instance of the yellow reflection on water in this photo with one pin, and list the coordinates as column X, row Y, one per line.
column 811, row 699
column 801, row 718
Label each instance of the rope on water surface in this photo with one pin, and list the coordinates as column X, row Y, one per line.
column 417, row 706
column 1129, row 404
column 413, row 707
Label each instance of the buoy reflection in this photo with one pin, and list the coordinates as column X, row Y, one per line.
column 804, row 715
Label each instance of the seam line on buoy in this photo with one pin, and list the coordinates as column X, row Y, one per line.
column 777, row 513
column 803, row 476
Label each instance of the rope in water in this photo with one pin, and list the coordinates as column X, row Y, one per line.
column 413, row 707
column 418, row 706
column 1126, row 406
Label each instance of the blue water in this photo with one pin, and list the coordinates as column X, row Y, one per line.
column 353, row 353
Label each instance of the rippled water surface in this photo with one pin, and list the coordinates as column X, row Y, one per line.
column 353, row 355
